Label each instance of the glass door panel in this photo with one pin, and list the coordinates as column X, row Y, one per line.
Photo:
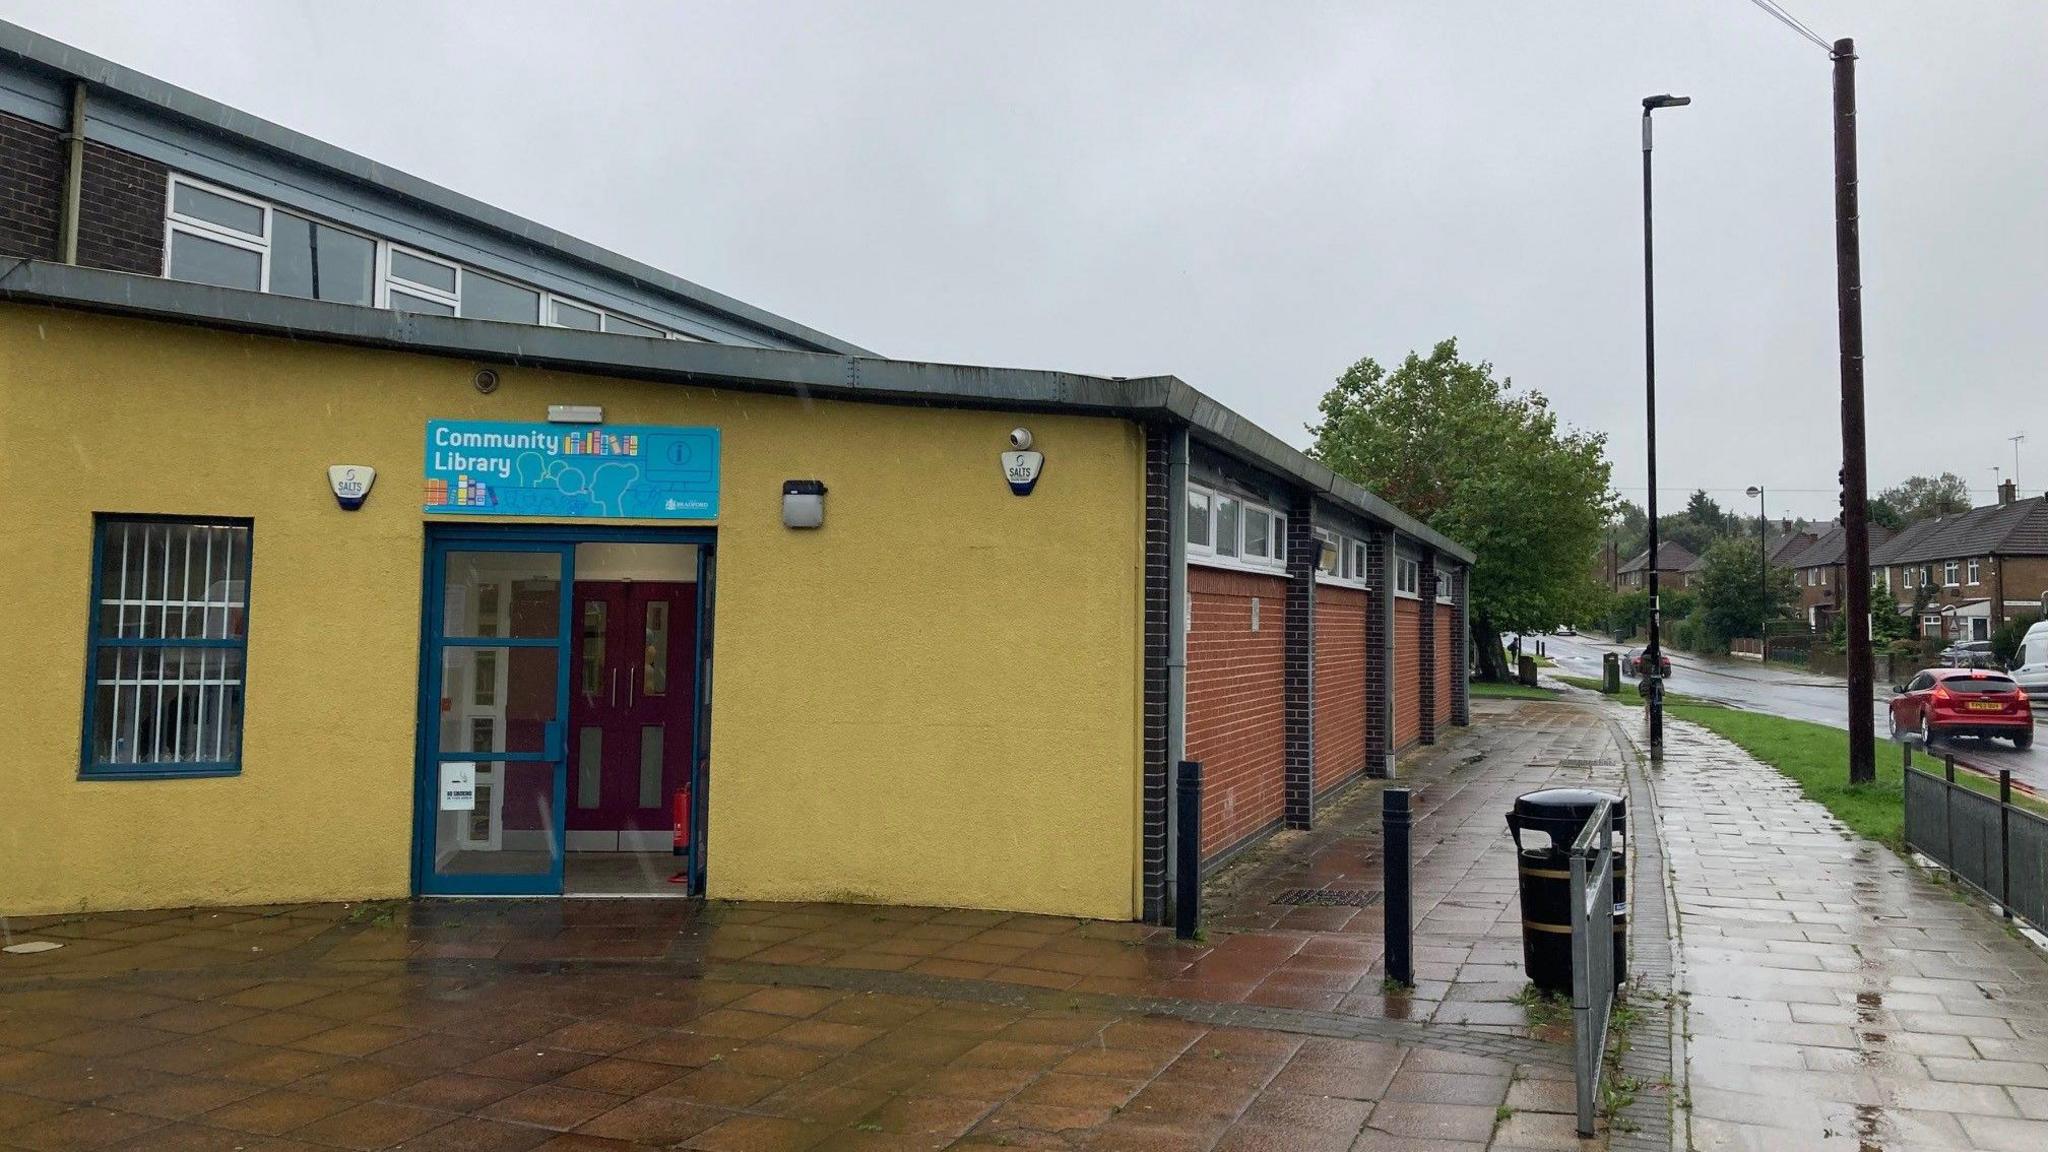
column 494, row 820
column 500, row 700
column 494, row 780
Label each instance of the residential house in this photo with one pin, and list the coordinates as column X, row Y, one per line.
column 1791, row 544
column 1968, row 573
column 1673, row 559
column 1818, row 570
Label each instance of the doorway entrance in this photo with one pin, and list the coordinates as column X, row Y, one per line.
column 565, row 688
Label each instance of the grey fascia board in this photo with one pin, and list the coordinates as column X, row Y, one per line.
column 822, row 375
column 54, row 55
column 1225, row 429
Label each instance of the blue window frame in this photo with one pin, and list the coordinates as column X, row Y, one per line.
column 168, row 647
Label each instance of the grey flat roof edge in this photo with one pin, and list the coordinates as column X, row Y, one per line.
column 211, row 115
column 823, row 375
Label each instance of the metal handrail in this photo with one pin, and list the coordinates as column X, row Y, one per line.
column 1592, row 863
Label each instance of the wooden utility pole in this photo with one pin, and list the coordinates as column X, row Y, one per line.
column 1855, row 494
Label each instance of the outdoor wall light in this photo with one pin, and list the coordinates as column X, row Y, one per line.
column 575, row 414
column 803, row 503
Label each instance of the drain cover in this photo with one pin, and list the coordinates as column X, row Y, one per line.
column 1328, row 897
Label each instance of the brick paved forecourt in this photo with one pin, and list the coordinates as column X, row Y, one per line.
column 1826, row 994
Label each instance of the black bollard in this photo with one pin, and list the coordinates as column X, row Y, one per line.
column 1187, row 884
column 1394, row 819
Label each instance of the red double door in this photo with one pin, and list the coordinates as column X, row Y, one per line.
column 632, row 713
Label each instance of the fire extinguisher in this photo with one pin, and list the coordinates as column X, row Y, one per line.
column 682, row 841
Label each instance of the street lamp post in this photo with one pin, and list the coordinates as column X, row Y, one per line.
column 1763, row 564
column 1653, row 652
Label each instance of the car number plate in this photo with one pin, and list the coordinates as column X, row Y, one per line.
column 1985, row 705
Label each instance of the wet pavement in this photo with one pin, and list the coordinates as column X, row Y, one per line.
column 655, row 1024
column 1830, row 997
column 1835, row 996
column 1796, row 694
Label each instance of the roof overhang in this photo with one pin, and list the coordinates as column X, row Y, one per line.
column 62, row 61
column 819, row 375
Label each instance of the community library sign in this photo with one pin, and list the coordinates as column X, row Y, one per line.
column 608, row 471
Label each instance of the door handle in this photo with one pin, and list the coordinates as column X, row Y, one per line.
column 632, row 684
column 614, row 696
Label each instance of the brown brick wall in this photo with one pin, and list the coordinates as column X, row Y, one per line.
column 1447, row 639
column 1407, row 684
column 121, row 212
column 121, row 200
column 31, row 187
column 1236, row 706
column 2026, row 578
column 1340, row 685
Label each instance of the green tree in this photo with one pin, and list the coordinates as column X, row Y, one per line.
column 1446, row 440
column 1886, row 514
column 2005, row 639
column 1887, row 623
column 1734, row 598
column 1919, row 497
column 1701, row 509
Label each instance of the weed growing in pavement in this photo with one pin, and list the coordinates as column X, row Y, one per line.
column 377, row 914
column 1392, row 987
column 1544, row 1008
column 1503, row 1114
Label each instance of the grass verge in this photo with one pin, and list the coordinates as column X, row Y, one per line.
column 1817, row 756
column 1486, row 689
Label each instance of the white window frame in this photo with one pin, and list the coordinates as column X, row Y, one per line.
column 384, row 281
column 1976, row 573
column 1351, row 555
column 1407, row 577
column 391, row 280
column 1443, row 586
column 1948, row 574
column 208, row 230
column 1212, row 556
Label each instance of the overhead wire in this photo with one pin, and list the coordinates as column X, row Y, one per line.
column 1777, row 12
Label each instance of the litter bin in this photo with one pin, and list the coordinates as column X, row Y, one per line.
column 1545, row 881
column 1610, row 674
column 1526, row 672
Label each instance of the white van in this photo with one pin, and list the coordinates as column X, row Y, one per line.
column 2030, row 664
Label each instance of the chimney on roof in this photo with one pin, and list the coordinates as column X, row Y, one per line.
column 1786, row 525
column 2008, row 491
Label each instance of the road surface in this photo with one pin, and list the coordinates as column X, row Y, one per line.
column 1793, row 693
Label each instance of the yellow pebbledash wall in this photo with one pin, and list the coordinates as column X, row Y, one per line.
column 935, row 699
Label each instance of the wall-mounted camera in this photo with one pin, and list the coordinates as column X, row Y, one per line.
column 1020, row 439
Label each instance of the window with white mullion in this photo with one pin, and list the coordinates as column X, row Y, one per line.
column 417, row 282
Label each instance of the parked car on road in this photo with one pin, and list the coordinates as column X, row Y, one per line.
column 1969, row 654
column 2030, row 663
column 1941, row 702
column 1632, row 663
column 1567, row 630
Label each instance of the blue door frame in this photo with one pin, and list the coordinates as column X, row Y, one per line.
column 443, row 538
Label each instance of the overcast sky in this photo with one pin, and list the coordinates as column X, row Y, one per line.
column 1251, row 196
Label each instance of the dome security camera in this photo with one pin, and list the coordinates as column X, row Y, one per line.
column 1020, row 438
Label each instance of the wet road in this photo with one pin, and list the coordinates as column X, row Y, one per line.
column 1792, row 693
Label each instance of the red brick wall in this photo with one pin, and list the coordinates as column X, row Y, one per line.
column 1340, row 684
column 1447, row 641
column 1236, row 707
column 1407, row 680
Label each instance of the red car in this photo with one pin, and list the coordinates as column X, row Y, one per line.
column 1941, row 702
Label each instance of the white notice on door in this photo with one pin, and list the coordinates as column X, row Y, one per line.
column 458, row 786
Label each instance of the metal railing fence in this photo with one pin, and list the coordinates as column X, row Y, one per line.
column 1991, row 844
column 1592, row 855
